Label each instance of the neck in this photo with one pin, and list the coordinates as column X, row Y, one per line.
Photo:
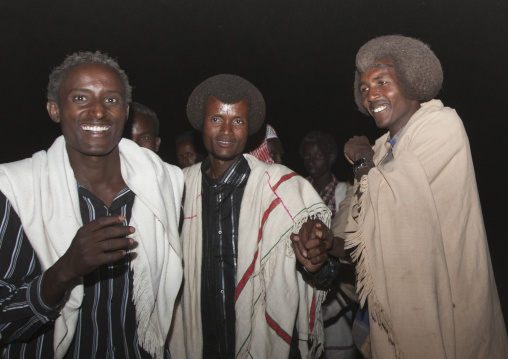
column 415, row 106
column 320, row 183
column 101, row 175
column 218, row 167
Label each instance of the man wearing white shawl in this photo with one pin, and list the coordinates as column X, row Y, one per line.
column 415, row 225
column 89, row 247
column 242, row 294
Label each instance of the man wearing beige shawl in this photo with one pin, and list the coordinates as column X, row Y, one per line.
column 242, row 294
column 415, row 222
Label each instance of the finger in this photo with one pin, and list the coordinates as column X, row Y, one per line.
column 316, row 252
column 115, row 231
column 111, row 245
column 99, row 223
column 349, row 158
column 294, row 237
column 298, row 253
column 313, row 243
column 110, row 257
column 319, row 260
column 301, row 249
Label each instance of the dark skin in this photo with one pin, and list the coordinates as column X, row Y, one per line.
column 225, row 132
column 318, row 162
column 92, row 112
column 386, row 103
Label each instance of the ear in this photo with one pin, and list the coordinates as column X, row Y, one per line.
column 127, row 113
column 53, row 111
column 157, row 143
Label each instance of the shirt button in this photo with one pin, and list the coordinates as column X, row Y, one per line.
column 220, row 232
column 222, row 291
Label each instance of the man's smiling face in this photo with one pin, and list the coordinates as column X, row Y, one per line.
column 226, row 128
column 91, row 110
column 383, row 98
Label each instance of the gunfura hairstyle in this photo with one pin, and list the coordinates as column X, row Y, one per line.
column 78, row 58
column 227, row 89
column 419, row 72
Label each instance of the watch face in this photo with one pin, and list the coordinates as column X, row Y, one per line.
column 362, row 162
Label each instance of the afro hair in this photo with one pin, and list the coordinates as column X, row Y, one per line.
column 227, row 89
column 419, row 72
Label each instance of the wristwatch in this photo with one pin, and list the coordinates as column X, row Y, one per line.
column 364, row 161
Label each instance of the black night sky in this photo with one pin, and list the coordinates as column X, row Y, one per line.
column 299, row 53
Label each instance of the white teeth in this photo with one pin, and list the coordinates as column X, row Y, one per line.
column 95, row 128
column 380, row 108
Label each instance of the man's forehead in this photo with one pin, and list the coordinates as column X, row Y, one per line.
column 378, row 71
column 214, row 104
column 92, row 70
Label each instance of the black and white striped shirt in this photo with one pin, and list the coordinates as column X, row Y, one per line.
column 221, row 201
column 106, row 326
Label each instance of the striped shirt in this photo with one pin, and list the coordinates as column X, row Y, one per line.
column 106, row 326
column 221, row 201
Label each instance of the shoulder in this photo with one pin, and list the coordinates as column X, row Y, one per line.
column 192, row 170
column 434, row 115
column 258, row 167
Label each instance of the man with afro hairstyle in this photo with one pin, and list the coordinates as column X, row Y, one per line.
column 424, row 276
column 243, row 295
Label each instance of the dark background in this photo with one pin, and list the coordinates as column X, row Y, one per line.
column 300, row 54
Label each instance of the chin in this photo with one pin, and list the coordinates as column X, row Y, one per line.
column 224, row 157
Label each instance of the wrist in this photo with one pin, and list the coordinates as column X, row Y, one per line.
column 363, row 163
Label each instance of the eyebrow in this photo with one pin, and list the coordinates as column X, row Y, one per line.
column 88, row 90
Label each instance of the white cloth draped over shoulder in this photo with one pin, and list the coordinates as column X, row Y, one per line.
column 424, row 263
column 271, row 294
column 43, row 191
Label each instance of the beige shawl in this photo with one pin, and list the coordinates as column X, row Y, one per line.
column 271, row 295
column 423, row 259
column 43, row 191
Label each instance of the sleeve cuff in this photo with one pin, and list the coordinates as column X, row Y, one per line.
column 43, row 311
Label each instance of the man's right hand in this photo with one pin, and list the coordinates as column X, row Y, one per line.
column 357, row 147
column 102, row 241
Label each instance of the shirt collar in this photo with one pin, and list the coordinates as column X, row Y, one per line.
column 233, row 176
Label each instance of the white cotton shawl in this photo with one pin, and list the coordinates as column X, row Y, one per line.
column 275, row 291
column 43, row 191
column 423, row 258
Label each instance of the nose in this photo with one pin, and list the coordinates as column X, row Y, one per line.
column 372, row 94
column 226, row 126
column 97, row 110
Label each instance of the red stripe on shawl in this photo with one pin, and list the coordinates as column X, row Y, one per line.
column 285, row 178
column 312, row 312
column 275, row 202
column 249, row 271
column 276, row 327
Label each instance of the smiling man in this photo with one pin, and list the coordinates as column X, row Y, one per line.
column 89, row 249
column 243, row 294
column 416, row 225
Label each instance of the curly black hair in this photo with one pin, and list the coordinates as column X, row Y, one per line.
column 227, row 89
column 326, row 139
column 78, row 58
column 419, row 72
